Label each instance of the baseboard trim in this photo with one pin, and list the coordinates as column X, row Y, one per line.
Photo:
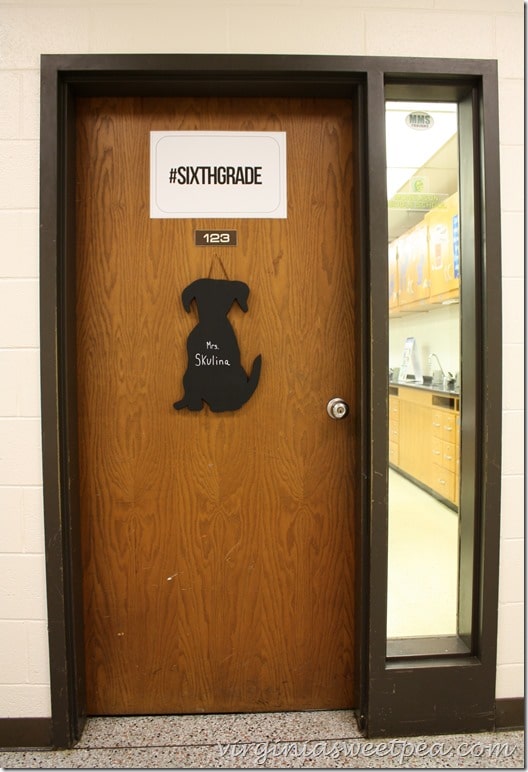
column 25, row 733
column 509, row 713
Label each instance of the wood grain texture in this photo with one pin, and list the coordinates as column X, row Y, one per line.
column 218, row 549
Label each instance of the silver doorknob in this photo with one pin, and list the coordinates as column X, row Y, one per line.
column 337, row 408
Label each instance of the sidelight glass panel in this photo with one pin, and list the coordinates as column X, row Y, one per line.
column 424, row 268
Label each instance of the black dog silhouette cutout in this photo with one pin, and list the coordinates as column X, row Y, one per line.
column 214, row 373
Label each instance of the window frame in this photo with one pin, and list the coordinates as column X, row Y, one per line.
column 454, row 691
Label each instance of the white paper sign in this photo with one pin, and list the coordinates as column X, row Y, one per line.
column 218, row 174
column 410, row 362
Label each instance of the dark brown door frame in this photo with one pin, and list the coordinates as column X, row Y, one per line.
column 421, row 694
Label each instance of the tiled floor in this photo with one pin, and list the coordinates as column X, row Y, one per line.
column 324, row 739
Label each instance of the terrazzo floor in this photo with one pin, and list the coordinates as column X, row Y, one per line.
column 314, row 739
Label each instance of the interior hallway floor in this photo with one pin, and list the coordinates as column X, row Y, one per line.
column 313, row 739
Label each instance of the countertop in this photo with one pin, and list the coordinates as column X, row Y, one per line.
column 426, row 387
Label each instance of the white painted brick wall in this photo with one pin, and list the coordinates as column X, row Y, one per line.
column 443, row 28
column 509, row 49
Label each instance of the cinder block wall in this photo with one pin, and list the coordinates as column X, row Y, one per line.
column 487, row 29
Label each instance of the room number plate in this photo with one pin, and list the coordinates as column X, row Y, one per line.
column 215, row 238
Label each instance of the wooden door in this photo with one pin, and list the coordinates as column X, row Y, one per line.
column 219, row 551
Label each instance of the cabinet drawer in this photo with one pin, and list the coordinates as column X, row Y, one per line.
column 437, row 423
column 448, row 456
column 394, row 453
column 394, row 431
column 437, row 450
column 443, row 482
column 449, row 427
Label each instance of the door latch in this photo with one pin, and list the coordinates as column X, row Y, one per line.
column 337, row 409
